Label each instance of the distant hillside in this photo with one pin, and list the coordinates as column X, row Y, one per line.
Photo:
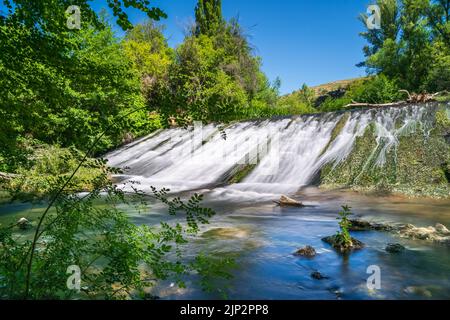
column 318, row 94
column 331, row 86
column 335, row 85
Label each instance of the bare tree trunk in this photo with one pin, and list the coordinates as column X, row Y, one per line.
column 412, row 98
column 7, row 176
column 374, row 105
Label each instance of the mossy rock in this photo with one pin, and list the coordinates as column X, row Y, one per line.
column 338, row 246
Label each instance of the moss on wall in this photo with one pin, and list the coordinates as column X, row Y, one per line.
column 241, row 173
column 337, row 130
column 418, row 166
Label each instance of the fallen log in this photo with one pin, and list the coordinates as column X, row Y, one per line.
column 374, row 105
column 288, row 202
column 7, row 176
column 412, row 98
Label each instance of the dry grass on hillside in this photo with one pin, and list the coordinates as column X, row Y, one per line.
column 332, row 86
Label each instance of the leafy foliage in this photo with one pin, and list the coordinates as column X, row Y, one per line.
column 117, row 259
column 208, row 16
column 299, row 102
column 62, row 86
column 147, row 49
column 376, row 89
column 412, row 45
column 48, row 16
column 343, row 238
column 215, row 76
column 45, row 167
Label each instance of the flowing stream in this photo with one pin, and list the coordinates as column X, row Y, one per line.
column 285, row 156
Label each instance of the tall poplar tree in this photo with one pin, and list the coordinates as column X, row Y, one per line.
column 208, row 17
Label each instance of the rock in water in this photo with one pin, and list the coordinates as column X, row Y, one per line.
column 288, row 202
column 336, row 244
column 307, row 251
column 318, row 276
column 362, row 225
column 23, row 223
column 439, row 233
column 421, row 291
column 394, row 248
column 440, row 228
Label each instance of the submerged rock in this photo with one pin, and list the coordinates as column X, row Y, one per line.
column 362, row 225
column 394, row 248
column 440, row 228
column 288, row 202
column 24, row 223
column 337, row 245
column 337, row 291
column 421, row 291
column 318, row 276
column 150, row 297
column 226, row 233
column 439, row 233
column 308, row 252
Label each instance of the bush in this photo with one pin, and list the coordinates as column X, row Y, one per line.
column 330, row 104
column 45, row 168
column 343, row 238
column 378, row 89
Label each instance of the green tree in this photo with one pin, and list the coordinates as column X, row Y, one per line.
column 215, row 76
column 439, row 19
column 208, row 17
column 64, row 86
column 146, row 47
column 411, row 44
column 390, row 27
column 48, row 17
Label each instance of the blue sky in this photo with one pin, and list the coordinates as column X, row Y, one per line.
column 300, row 41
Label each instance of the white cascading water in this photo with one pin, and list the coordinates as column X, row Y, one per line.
column 286, row 154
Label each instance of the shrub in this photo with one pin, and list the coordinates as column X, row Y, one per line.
column 343, row 238
column 46, row 166
column 378, row 89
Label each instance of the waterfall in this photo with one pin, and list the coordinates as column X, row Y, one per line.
column 282, row 154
